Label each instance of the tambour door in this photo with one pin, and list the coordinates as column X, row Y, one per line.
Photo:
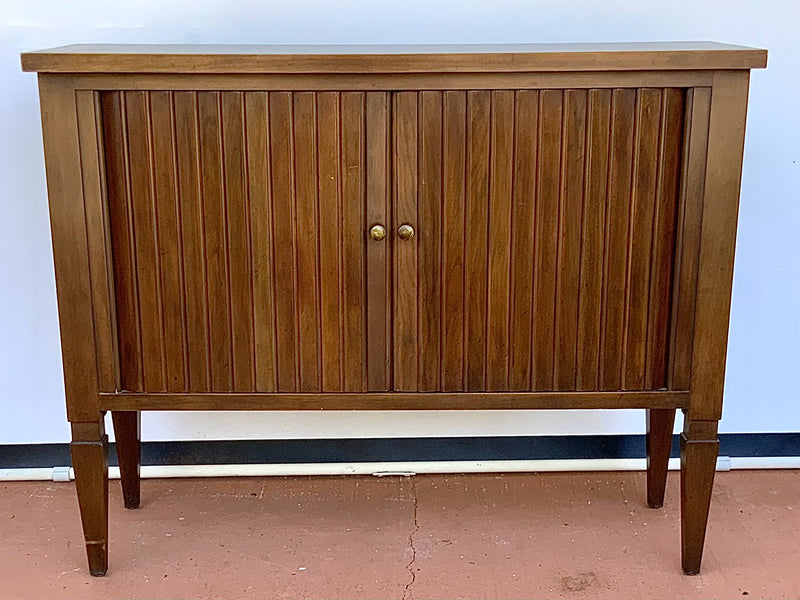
column 544, row 234
column 238, row 228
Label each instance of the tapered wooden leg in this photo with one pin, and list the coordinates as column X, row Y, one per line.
column 127, row 433
column 89, row 450
column 659, row 443
column 699, row 449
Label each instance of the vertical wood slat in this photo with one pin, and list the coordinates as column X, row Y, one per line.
column 371, row 136
column 669, row 167
column 122, row 243
column 331, row 229
column 551, row 116
column 616, row 239
column 476, row 236
column 570, row 222
column 688, row 237
column 405, row 274
column 192, row 239
column 428, row 240
column 282, row 193
column 364, row 340
column 237, row 214
column 526, row 148
column 306, row 239
column 216, row 240
column 89, row 117
column 145, row 241
column 598, row 136
column 261, row 227
column 454, row 132
column 499, row 239
column 169, row 247
column 643, row 194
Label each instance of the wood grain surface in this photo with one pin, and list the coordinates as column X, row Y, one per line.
column 574, row 210
column 237, row 226
column 562, row 206
column 437, row 58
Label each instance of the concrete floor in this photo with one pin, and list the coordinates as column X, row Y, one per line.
column 555, row 535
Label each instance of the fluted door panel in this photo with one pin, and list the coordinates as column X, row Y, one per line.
column 545, row 234
column 237, row 223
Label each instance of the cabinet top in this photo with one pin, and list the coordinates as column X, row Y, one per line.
column 496, row 58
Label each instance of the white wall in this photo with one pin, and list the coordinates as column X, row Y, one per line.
column 763, row 381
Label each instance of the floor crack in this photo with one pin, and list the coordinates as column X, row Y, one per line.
column 407, row 595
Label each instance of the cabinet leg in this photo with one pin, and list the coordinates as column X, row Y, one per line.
column 127, row 432
column 659, row 443
column 89, row 449
column 699, row 449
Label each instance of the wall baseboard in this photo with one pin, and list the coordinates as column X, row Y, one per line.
column 399, row 469
column 400, row 456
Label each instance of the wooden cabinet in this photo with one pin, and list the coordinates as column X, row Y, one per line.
column 349, row 228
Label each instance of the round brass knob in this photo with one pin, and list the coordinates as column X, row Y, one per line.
column 377, row 232
column 405, row 232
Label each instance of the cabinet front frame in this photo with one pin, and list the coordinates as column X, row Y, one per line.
column 704, row 245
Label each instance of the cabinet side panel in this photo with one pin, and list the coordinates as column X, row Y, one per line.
column 727, row 117
column 70, row 245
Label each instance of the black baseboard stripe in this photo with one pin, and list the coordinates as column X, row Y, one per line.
column 399, row 450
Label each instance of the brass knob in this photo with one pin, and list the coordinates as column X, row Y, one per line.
column 405, row 232
column 377, row 232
